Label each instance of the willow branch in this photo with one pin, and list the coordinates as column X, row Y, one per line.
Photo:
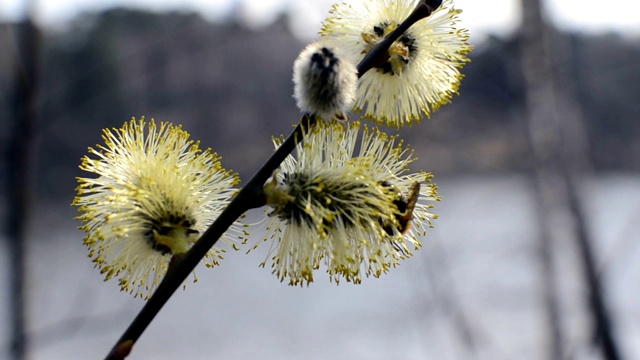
column 249, row 197
column 379, row 54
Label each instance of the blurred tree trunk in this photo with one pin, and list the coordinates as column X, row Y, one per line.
column 558, row 146
column 542, row 140
column 20, row 162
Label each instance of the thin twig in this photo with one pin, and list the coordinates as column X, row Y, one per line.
column 378, row 54
column 251, row 196
column 603, row 332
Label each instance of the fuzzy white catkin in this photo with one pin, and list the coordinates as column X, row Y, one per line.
column 324, row 81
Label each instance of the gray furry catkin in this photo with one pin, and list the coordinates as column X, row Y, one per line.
column 324, row 82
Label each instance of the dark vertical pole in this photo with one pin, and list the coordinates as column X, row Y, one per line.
column 20, row 162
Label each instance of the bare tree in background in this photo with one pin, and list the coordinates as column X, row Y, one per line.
column 20, row 162
column 558, row 148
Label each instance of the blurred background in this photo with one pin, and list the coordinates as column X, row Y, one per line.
column 535, row 254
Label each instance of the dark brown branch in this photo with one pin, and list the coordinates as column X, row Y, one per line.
column 378, row 54
column 251, row 196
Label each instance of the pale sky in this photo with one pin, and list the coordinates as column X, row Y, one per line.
column 500, row 17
